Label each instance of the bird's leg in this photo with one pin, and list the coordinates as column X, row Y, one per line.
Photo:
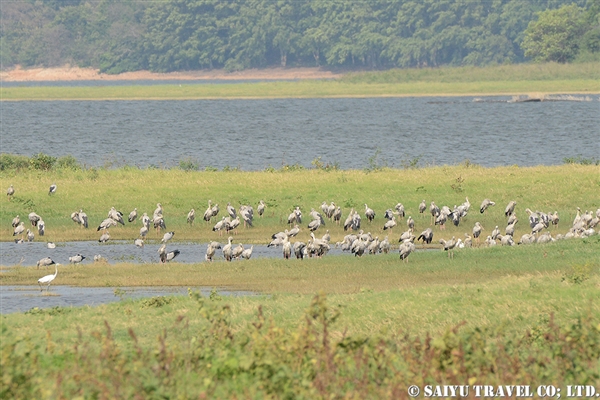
column 40, row 286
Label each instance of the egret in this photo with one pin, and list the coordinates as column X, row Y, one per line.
column 48, row 278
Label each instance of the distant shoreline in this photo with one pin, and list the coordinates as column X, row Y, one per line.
column 68, row 73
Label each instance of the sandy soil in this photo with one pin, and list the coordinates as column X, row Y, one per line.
column 68, row 73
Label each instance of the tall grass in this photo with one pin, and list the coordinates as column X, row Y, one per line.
column 195, row 348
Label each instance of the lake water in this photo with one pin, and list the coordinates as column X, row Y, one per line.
column 256, row 134
column 28, row 254
column 24, row 298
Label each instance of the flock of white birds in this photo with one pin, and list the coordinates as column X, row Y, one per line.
column 356, row 241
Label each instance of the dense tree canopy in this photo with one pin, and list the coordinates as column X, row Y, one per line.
column 122, row 35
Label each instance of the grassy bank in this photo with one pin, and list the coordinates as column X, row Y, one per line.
column 502, row 80
column 370, row 344
column 548, row 189
column 502, row 315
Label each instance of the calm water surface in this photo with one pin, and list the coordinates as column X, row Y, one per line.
column 28, row 254
column 255, row 134
column 24, row 298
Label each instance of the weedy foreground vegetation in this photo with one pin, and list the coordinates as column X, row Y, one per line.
column 337, row 327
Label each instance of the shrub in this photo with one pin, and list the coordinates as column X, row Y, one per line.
column 68, row 162
column 42, row 162
column 188, row 164
column 13, row 162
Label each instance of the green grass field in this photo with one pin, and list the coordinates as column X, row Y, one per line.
column 524, row 79
column 548, row 189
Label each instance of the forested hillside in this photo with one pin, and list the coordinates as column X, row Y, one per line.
column 126, row 35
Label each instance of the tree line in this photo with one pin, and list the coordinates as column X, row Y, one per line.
column 126, row 35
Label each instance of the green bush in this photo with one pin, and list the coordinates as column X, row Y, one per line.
column 42, row 162
column 188, row 164
column 68, row 162
column 13, row 162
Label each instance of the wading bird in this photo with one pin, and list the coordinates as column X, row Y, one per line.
column 41, row 227
column 191, row 216
column 44, row 262
column 34, row 218
column 167, row 236
column 247, row 253
column 406, row 248
column 369, row 213
column 10, row 192
column 48, row 278
column 52, row 189
column 132, row 215
column 426, row 236
column 485, row 204
column 510, row 209
column 261, row 210
column 76, row 259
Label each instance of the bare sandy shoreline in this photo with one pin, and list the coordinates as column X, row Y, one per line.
column 68, row 73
